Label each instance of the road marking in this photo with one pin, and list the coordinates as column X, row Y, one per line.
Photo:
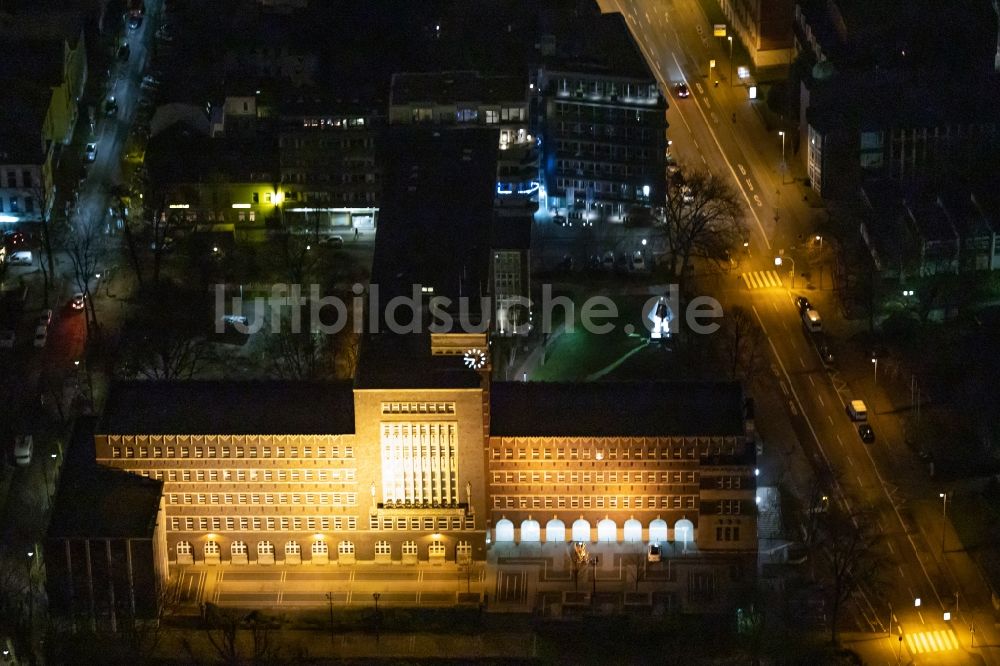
column 819, row 397
column 704, row 161
column 812, row 381
column 860, row 482
column 749, row 184
column 850, row 459
column 761, row 279
column 701, row 91
column 831, row 419
column 891, row 549
column 742, row 169
column 756, row 200
column 725, row 159
column 784, row 387
column 803, row 362
column 921, row 616
column 840, row 440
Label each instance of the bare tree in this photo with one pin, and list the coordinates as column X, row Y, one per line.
column 703, row 219
column 299, row 354
column 46, row 258
column 745, row 348
column 165, row 335
column 86, row 246
column 119, row 195
column 853, row 561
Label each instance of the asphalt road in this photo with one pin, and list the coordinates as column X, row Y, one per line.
column 717, row 129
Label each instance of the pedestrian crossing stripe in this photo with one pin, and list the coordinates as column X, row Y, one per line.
column 761, row 279
column 931, row 641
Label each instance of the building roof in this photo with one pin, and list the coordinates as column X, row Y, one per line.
column 588, row 41
column 512, row 229
column 436, row 210
column 405, row 362
column 181, row 153
column 616, row 409
column 100, row 502
column 95, row 501
column 452, row 87
column 229, row 408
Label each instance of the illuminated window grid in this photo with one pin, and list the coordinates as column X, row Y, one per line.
column 419, row 462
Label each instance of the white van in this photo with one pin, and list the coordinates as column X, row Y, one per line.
column 812, row 320
column 857, row 410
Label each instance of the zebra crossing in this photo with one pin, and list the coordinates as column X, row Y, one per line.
column 761, row 279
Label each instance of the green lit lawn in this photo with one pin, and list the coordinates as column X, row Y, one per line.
column 575, row 356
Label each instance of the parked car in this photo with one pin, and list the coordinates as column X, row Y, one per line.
column 654, row 554
column 45, row 318
column 803, row 304
column 608, row 261
column 41, row 336
column 561, row 221
column 91, row 152
column 110, row 106
column 6, row 339
column 78, row 301
column 638, row 264
column 124, row 52
column 332, row 241
column 23, row 447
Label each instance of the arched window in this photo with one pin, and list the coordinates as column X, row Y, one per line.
column 530, row 531
column 383, row 548
column 683, row 531
column 265, row 548
column 293, row 548
column 212, row 548
column 238, row 548
column 505, row 530
column 555, row 531
column 436, row 550
column 345, row 548
column 320, row 548
column 409, row 548
column 633, row 530
column 607, row 531
column 658, row 531
column 183, row 547
column 581, row 530
column 463, row 552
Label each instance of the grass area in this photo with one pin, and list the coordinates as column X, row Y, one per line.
column 575, row 355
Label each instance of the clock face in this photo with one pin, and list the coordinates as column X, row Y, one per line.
column 475, row 359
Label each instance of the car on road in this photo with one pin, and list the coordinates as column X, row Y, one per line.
column 561, row 221
column 45, row 318
column 41, row 336
column 857, row 410
column 681, row 90
column 803, row 304
column 90, row 154
column 14, row 238
column 124, row 51
column 866, row 432
column 23, row 447
column 654, row 554
column 332, row 241
column 608, row 261
column 78, row 301
column 110, row 106
column 6, row 339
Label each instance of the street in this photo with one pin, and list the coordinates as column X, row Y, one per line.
column 716, row 128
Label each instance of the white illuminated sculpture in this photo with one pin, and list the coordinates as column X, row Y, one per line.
column 661, row 315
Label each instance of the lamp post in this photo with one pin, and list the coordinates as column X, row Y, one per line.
column 944, row 517
column 781, row 133
column 730, row 38
column 875, row 380
column 375, row 596
column 778, row 261
column 329, row 599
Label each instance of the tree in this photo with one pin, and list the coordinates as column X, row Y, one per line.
column 165, row 334
column 744, row 339
column 852, row 562
column 703, row 219
column 299, row 354
column 46, row 259
column 118, row 195
column 86, row 246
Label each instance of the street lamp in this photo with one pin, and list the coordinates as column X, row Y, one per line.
column 875, row 381
column 730, row 38
column 778, row 262
column 944, row 517
column 781, row 133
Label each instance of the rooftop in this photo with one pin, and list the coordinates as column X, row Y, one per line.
column 616, row 409
column 100, row 502
column 588, row 41
column 451, row 87
column 436, row 212
column 229, row 407
column 405, row 362
column 97, row 501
